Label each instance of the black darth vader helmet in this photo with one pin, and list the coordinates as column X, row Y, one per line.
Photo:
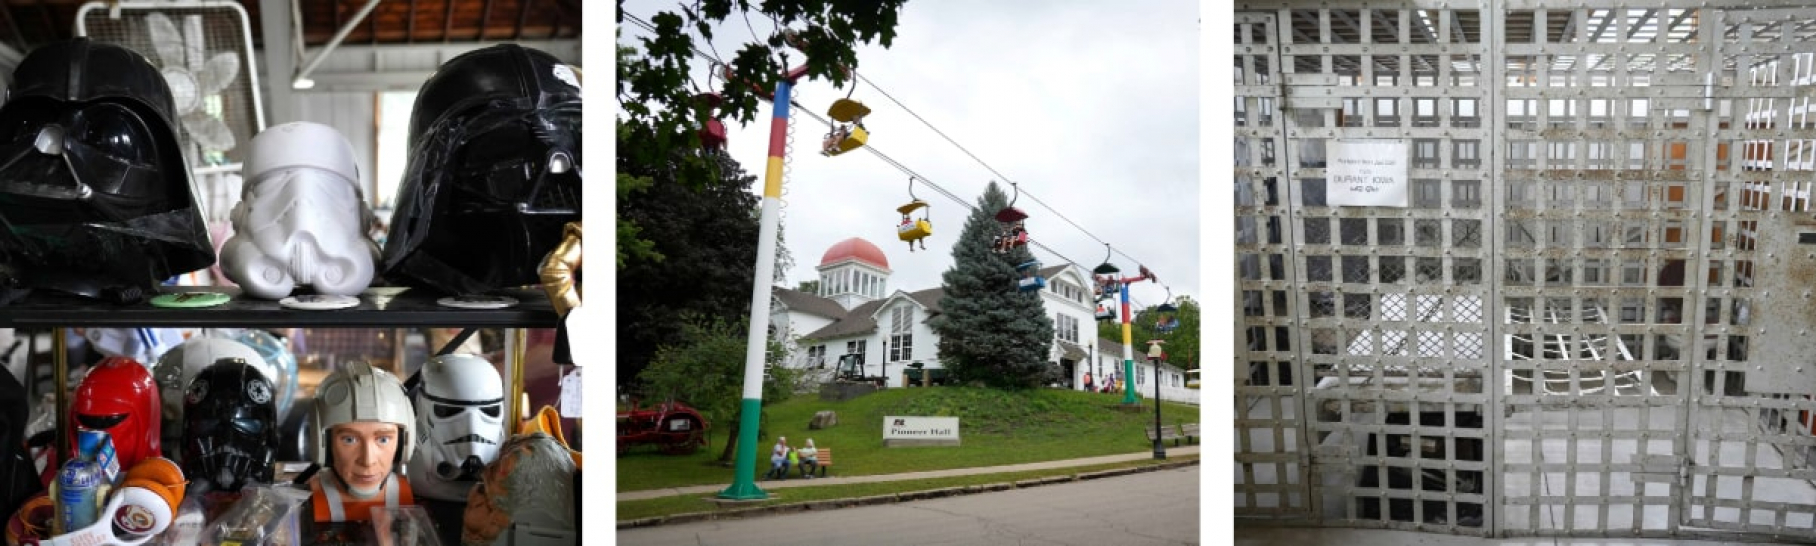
column 94, row 193
column 230, row 424
column 494, row 172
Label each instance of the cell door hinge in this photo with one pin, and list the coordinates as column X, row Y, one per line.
column 1310, row 91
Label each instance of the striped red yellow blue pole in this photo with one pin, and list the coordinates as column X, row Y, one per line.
column 744, row 484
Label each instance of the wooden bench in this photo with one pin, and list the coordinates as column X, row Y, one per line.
column 825, row 460
column 1166, row 433
column 1190, row 432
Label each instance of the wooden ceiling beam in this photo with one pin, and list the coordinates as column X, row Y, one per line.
column 485, row 17
column 447, row 23
column 555, row 29
column 523, row 16
column 412, row 23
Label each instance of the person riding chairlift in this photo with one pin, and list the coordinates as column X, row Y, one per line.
column 1017, row 236
column 908, row 224
column 839, row 134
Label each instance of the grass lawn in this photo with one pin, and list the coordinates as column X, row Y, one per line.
column 682, row 504
column 995, row 428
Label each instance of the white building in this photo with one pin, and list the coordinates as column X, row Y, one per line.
column 857, row 312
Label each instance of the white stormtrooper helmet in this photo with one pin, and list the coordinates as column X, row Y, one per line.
column 459, row 409
column 180, row 365
column 302, row 218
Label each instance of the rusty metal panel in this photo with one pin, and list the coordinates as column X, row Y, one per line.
column 1786, row 277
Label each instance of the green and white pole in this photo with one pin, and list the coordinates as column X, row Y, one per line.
column 744, row 482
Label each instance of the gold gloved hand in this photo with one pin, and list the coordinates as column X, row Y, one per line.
column 561, row 271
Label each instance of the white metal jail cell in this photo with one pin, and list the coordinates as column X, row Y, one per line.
column 1583, row 302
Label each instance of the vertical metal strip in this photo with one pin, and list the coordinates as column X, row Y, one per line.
column 1495, row 186
column 1304, row 373
column 1688, row 387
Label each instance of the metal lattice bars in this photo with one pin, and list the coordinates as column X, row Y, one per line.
column 1618, row 187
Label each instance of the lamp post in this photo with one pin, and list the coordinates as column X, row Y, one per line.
column 743, row 481
column 1154, row 356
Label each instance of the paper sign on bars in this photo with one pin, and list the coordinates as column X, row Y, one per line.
column 1366, row 173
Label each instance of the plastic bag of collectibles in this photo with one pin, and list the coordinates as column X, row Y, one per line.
column 402, row 526
column 265, row 516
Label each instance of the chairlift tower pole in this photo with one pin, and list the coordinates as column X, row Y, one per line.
column 743, row 483
column 1128, row 335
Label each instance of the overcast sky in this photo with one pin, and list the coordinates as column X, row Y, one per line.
column 1091, row 106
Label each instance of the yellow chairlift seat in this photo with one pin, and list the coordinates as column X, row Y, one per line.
column 914, row 231
column 851, row 142
column 846, row 110
column 917, row 229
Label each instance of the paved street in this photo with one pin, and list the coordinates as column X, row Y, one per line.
column 1158, row 508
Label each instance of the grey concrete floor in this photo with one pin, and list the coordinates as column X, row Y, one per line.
column 1249, row 536
column 1588, row 480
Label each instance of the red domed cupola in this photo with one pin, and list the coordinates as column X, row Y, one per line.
column 855, row 248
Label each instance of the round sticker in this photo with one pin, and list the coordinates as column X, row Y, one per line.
column 197, row 391
column 191, row 299
column 318, row 302
column 475, row 301
column 135, row 520
column 258, row 391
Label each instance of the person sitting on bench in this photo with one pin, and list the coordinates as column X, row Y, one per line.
column 778, row 459
column 810, row 459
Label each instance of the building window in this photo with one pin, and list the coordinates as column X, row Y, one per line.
column 856, row 348
column 901, row 338
column 1141, row 375
column 816, row 356
column 1066, row 327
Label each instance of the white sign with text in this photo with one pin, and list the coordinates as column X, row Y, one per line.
column 903, row 430
column 1366, row 173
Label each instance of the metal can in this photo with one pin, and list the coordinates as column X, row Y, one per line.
column 78, row 494
column 98, row 446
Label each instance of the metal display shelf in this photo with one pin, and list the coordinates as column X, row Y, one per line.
column 378, row 308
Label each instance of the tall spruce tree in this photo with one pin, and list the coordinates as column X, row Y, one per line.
column 991, row 332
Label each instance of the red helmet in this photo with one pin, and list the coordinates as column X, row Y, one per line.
column 118, row 397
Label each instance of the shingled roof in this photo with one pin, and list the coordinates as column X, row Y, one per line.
column 859, row 320
column 809, row 303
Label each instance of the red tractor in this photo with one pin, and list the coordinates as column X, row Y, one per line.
column 673, row 426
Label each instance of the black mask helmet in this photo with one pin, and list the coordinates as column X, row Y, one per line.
column 494, row 172
column 95, row 197
column 230, row 423
column 18, row 474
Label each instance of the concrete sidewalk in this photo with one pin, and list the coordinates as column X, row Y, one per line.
column 835, row 479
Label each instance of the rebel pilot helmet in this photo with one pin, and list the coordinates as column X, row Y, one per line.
column 493, row 174
column 459, row 413
column 229, row 426
column 360, row 392
column 94, row 190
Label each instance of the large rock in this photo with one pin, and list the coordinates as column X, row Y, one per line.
column 823, row 419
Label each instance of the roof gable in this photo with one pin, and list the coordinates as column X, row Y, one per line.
column 797, row 300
